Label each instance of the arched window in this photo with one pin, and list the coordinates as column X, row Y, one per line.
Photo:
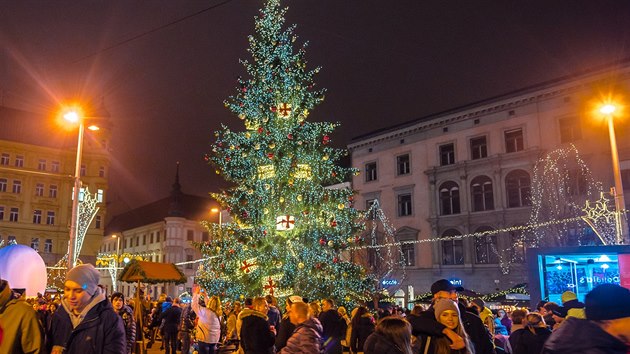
column 449, row 198
column 482, row 196
column 486, row 247
column 517, row 185
column 452, row 249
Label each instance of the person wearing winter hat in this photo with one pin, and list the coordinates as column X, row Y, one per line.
column 485, row 313
column 606, row 328
column 572, row 306
column 447, row 313
column 85, row 322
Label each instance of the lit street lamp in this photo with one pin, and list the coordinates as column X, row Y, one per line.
column 608, row 110
column 74, row 115
column 217, row 210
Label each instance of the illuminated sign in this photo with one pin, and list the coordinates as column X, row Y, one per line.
column 456, row 281
column 389, row 282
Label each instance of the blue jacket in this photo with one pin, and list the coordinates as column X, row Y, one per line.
column 578, row 336
column 100, row 332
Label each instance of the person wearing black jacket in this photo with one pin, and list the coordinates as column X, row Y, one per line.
column 171, row 318
column 334, row 327
column 257, row 337
column 427, row 324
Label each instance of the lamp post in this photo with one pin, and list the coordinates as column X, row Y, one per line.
column 608, row 111
column 115, row 285
column 73, row 115
column 217, row 210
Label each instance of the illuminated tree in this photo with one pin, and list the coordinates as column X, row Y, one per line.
column 289, row 231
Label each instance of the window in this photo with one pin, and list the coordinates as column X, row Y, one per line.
column 37, row 216
column 1, row 213
column 101, row 171
column 83, row 170
column 4, row 159
column 17, row 186
column 35, row 243
column 190, row 235
column 50, row 218
column 570, row 130
column 447, row 154
column 19, row 160
column 452, row 248
column 48, row 246
column 137, row 241
column 478, row 148
column 3, row 184
column 39, row 190
column 97, row 221
column 41, row 165
column 144, row 240
column 189, row 258
column 449, row 198
column 486, row 247
column 55, row 166
column 205, row 236
column 404, row 204
column 514, row 140
column 409, row 252
column 157, row 236
column 14, row 214
column 52, row 191
column 99, row 195
column 517, row 185
column 482, row 196
column 403, row 164
column 576, row 182
column 370, row 172
column 625, row 179
column 517, row 240
column 127, row 243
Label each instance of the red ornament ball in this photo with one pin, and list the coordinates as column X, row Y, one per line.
column 260, row 130
column 290, row 136
column 322, row 241
column 273, row 108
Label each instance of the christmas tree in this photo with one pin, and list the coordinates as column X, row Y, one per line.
column 290, row 234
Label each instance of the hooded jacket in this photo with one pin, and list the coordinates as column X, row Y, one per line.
column 22, row 331
column 255, row 335
column 578, row 336
column 529, row 342
column 126, row 313
column 306, row 339
column 360, row 334
column 97, row 330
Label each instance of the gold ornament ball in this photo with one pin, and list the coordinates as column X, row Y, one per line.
column 299, row 198
column 325, row 158
column 272, row 145
column 266, row 211
column 301, row 265
column 257, row 146
column 345, row 275
column 347, row 298
column 248, row 135
column 218, row 249
column 340, row 206
column 330, row 243
column 281, row 200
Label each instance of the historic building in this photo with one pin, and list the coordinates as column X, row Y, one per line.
column 162, row 231
column 470, row 170
column 37, row 167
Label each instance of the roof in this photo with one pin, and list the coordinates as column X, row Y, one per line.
column 188, row 206
column 611, row 69
column 152, row 273
column 34, row 129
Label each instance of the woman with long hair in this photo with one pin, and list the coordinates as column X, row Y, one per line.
column 361, row 326
column 392, row 336
column 534, row 337
column 447, row 313
column 208, row 331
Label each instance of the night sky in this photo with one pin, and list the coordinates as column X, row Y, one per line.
column 164, row 68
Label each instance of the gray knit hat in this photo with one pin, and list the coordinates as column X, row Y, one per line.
column 86, row 276
column 442, row 305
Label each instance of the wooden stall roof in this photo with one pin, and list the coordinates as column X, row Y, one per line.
column 152, row 273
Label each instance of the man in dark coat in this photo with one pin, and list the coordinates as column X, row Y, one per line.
column 606, row 328
column 85, row 322
column 256, row 336
column 334, row 327
column 427, row 324
column 171, row 318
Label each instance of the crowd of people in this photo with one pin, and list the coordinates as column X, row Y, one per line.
column 86, row 320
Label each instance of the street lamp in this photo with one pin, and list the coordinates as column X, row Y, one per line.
column 217, row 210
column 74, row 115
column 608, row 110
column 115, row 285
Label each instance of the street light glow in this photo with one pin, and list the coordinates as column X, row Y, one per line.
column 608, row 109
column 71, row 116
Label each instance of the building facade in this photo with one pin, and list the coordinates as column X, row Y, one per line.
column 37, row 166
column 470, row 170
column 162, row 231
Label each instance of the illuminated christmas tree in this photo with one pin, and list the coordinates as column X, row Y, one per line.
column 289, row 232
